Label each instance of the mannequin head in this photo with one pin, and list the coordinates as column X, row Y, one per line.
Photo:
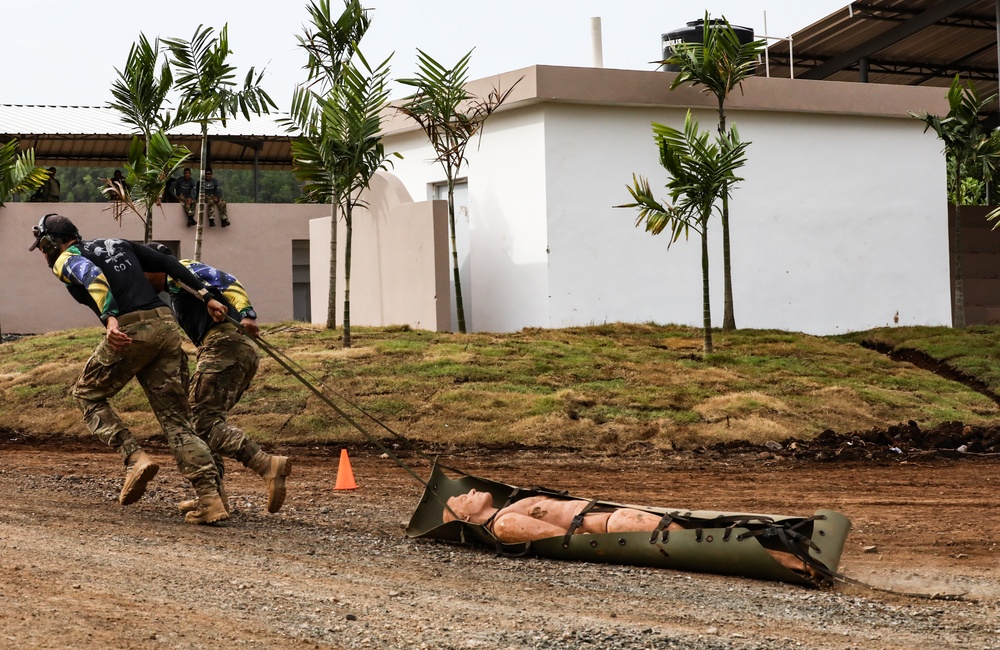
column 474, row 507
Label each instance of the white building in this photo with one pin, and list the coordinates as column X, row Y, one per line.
column 839, row 225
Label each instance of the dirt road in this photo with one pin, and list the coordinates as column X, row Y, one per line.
column 335, row 570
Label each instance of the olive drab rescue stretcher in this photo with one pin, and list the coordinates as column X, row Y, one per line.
column 727, row 543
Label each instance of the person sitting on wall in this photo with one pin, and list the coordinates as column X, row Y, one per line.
column 50, row 191
column 123, row 188
column 184, row 190
column 539, row 517
column 213, row 198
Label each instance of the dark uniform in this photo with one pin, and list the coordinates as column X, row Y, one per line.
column 227, row 363
column 213, row 199
column 107, row 276
column 184, row 190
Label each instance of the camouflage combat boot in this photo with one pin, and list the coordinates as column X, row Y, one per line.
column 210, row 510
column 273, row 469
column 139, row 470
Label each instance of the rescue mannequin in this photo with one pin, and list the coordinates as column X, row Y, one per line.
column 539, row 517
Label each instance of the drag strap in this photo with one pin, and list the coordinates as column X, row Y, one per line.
column 488, row 524
column 522, row 553
column 510, row 499
column 665, row 521
column 785, row 535
column 577, row 522
column 741, row 522
column 795, row 543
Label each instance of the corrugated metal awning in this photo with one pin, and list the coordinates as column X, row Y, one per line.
column 903, row 42
column 94, row 135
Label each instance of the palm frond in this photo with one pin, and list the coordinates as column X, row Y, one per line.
column 139, row 92
column 18, row 172
column 146, row 172
column 330, row 43
column 720, row 63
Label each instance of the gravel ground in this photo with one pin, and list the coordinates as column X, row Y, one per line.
column 335, row 570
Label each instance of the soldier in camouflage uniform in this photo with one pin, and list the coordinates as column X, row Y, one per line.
column 141, row 341
column 213, row 199
column 184, row 190
column 227, row 362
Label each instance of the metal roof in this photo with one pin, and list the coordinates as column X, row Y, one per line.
column 95, row 135
column 903, row 42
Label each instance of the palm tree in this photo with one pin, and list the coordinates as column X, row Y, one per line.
column 209, row 93
column 719, row 63
column 702, row 172
column 18, row 173
column 150, row 163
column 339, row 151
column 450, row 116
column 330, row 44
column 966, row 141
column 139, row 95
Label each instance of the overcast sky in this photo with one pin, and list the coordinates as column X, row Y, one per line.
column 64, row 52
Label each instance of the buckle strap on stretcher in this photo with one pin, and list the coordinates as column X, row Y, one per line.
column 577, row 522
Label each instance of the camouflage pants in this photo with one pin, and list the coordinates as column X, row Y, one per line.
column 188, row 204
column 227, row 362
column 214, row 204
column 156, row 360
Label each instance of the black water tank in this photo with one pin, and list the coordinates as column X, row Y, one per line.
column 694, row 33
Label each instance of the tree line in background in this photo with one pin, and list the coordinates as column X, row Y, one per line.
column 86, row 185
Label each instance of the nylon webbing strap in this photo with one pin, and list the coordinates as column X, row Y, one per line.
column 577, row 522
column 662, row 526
column 329, row 402
column 795, row 543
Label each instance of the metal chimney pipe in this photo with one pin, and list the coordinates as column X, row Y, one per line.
column 597, row 47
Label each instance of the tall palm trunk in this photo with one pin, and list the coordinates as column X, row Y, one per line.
column 148, row 233
column 331, row 297
column 958, row 304
column 459, row 305
column 200, row 206
column 728, row 312
column 347, row 275
column 706, row 303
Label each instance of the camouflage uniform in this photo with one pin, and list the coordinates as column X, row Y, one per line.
column 184, row 190
column 213, row 199
column 156, row 360
column 227, row 363
column 155, row 357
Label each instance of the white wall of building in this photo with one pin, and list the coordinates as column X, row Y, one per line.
column 840, row 224
column 399, row 261
column 821, row 242
column 507, row 281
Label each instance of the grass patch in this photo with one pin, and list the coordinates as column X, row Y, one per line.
column 606, row 386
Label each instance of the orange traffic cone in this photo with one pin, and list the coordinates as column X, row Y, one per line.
column 345, row 475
